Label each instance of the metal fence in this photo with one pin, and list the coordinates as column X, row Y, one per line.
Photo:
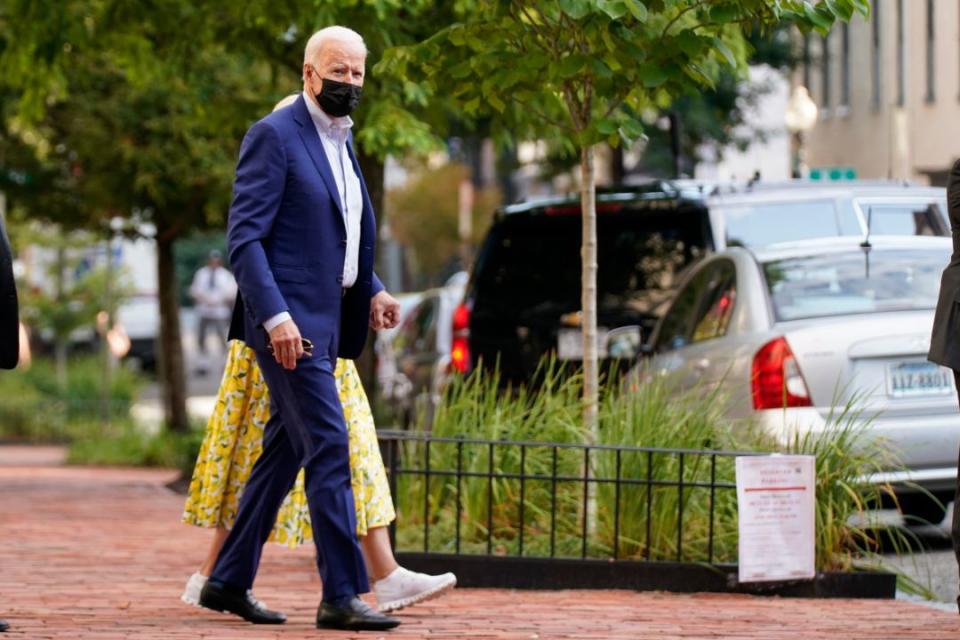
column 478, row 497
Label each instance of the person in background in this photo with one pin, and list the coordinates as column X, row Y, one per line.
column 9, row 318
column 213, row 290
column 945, row 341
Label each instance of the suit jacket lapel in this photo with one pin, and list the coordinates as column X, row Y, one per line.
column 311, row 140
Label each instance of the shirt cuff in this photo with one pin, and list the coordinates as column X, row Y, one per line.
column 272, row 323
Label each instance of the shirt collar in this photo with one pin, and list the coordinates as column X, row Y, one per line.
column 336, row 128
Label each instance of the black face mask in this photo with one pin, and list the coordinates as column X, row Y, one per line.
column 338, row 99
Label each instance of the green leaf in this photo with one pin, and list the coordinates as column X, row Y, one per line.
column 690, row 43
column 606, row 127
column 571, row 65
column 615, row 9
column 652, row 75
column 600, row 68
column 724, row 13
column 576, row 9
column 638, row 10
column 862, row 7
column 461, row 70
column 843, row 9
column 496, row 102
column 725, row 51
column 816, row 18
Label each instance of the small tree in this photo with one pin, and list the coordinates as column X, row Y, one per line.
column 583, row 71
column 68, row 292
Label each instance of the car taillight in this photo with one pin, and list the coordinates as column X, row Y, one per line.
column 776, row 380
column 460, row 349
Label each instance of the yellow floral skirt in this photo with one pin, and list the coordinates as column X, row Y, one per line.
column 234, row 440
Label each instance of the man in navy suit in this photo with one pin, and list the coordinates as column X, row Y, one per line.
column 301, row 240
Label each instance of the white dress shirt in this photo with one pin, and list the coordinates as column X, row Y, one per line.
column 214, row 291
column 333, row 134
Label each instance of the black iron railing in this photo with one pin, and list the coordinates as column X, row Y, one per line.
column 556, row 500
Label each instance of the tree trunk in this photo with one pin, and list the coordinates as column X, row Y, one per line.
column 60, row 348
column 61, row 337
column 588, row 256
column 172, row 378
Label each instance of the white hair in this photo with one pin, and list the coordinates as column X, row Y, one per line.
column 330, row 34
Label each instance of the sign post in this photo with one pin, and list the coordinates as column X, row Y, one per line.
column 775, row 500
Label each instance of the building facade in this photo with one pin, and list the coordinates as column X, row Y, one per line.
column 888, row 90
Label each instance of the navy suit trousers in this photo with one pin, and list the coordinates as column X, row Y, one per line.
column 306, row 429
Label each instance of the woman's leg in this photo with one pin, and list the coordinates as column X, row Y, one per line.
column 394, row 586
column 378, row 553
column 219, row 536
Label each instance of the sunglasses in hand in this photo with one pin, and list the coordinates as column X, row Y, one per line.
column 304, row 342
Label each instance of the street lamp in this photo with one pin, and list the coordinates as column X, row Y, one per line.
column 800, row 118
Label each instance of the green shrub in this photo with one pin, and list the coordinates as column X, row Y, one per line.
column 653, row 415
column 33, row 407
column 125, row 445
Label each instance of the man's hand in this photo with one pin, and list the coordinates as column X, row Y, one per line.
column 287, row 344
column 384, row 311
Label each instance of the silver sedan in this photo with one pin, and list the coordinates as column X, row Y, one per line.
column 792, row 330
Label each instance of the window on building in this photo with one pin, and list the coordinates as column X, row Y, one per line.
column 845, row 65
column 875, row 59
column 901, row 57
column 825, row 76
column 931, row 53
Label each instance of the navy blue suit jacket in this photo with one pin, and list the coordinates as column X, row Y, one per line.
column 287, row 237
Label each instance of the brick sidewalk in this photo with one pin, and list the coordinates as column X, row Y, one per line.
column 100, row 553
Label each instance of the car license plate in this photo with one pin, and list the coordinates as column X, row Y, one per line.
column 570, row 344
column 913, row 379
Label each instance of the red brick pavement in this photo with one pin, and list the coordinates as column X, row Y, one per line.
column 99, row 553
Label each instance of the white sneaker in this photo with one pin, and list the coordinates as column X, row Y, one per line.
column 403, row 588
column 191, row 595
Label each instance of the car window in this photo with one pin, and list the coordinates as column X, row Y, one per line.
column 904, row 218
column 717, row 302
column 413, row 333
column 531, row 265
column 847, row 283
column 765, row 223
column 675, row 326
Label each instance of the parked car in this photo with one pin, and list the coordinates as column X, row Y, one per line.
column 523, row 298
column 423, row 348
column 386, row 359
column 791, row 332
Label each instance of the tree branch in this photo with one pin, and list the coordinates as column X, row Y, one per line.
column 676, row 18
column 536, row 28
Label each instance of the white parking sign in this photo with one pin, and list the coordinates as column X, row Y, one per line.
column 775, row 501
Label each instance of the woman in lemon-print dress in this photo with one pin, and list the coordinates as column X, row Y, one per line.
column 233, row 442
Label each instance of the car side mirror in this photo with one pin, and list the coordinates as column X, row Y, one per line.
column 624, row 343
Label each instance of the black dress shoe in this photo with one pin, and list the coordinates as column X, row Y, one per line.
column 228, row 599
column 3, row 626
column 356, row 615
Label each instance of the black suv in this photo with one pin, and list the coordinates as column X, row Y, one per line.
column 523, row 298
